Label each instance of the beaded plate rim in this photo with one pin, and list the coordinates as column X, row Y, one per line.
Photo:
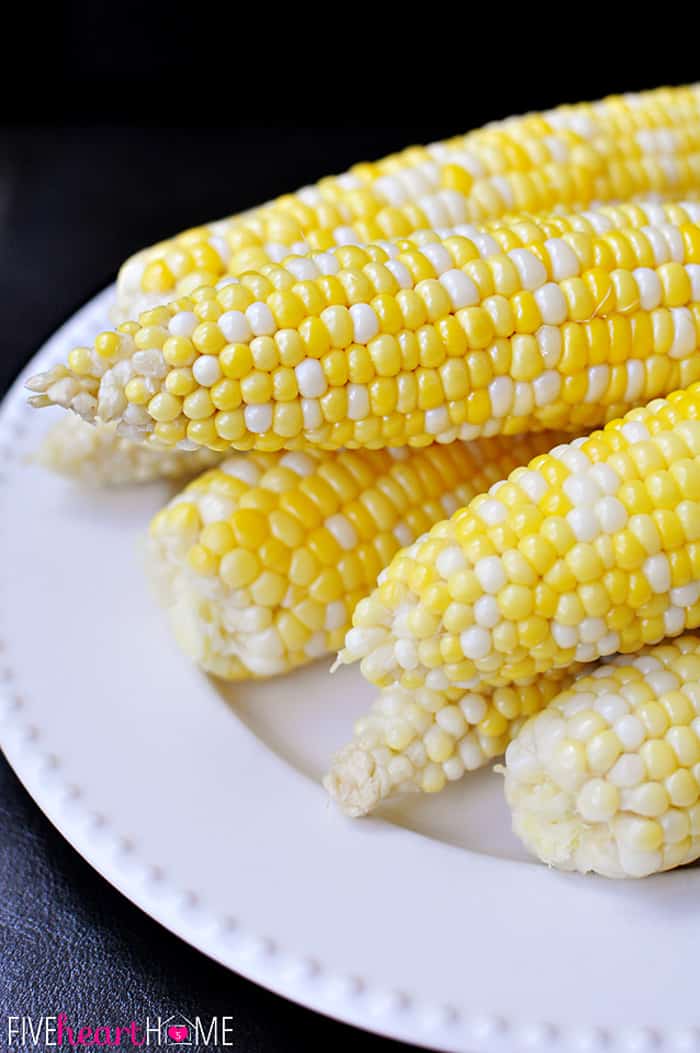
column 113, row 853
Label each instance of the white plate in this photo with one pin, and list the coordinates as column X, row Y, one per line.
column 202, row 804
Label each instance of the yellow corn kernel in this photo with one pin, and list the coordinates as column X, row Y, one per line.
column 179, row 351
column 198, row 405
column 164, row 407
column 157, row 277
column 80, row 361
column 107, row 345
column 137, row 391
column 202, row 560
column 218, row 538
column 180, row 382
column 675, row 284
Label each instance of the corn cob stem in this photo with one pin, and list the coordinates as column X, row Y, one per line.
column 421, row 740
column 262, row 560
column 98, row 456
column 441, row 340
column 615, row 149
column 593, row 549
column 607, row 778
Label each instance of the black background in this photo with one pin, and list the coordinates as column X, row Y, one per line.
column 122, row 124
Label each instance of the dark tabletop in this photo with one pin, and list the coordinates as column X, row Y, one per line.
column 76, row 199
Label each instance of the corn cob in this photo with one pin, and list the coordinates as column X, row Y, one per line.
column 98, row 456
column 593, row 549
column 615, row 149
column 438, row 342
column 423, row 739
column 112, row 460
column 607, row 778
column 262, row 560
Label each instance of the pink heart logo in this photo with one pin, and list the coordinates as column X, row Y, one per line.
column 178, row 1032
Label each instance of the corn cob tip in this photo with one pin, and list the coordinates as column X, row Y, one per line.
column 40, row 381
column 94, row 382
column 357, row 781
column 59, row 386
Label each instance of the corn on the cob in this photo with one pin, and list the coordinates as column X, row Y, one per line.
column 615, row 149
column 113, row 460
column 99, row 456
column 393, row 344
column 263, row 559
column 423, row 739
column 593, row 549
column 607, row 778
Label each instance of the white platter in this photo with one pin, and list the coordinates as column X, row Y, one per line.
column 202, row 804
